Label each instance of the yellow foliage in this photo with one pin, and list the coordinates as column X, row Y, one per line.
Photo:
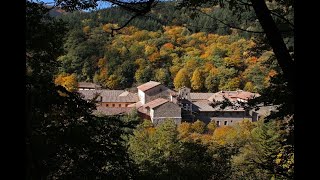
column 129, row 30
column 108, row 27
column 181, row 79
column 102, row 63
column 184, row 130
column 113, row 82
column 174, row 70
column 197, row 80
column 225, row 134
column 206, row 138
column 86, row 29
column 196, row 137
column 68, row 81
column 249, row 87
column 150, row 49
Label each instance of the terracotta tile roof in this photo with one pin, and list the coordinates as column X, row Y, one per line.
column 233, row 95
column 148, row 85
column 198, row 96
column 111, row 95
column 88, row 85
column 156, row 102
column 112, row 111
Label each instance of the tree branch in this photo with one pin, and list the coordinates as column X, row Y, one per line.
column 235, row 27
column 245, row 3
column 231, row 26
column 283, row 18
column 116, row 29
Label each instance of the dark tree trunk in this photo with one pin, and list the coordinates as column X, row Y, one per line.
column 275, row 39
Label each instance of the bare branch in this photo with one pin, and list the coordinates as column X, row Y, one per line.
column 231, row 26
column 234, row 27
column 136, row 7
column 244, row 3
column 116, row 29
column 283, row 18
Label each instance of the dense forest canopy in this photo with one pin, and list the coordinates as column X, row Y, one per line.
column 166, row 41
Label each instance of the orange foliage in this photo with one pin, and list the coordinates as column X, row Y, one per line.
column 168, row 46
column 272, row 73
column 154, row 57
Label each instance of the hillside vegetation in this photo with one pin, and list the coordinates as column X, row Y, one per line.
column 176, row 51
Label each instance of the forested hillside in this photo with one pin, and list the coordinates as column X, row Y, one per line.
column 65, row 140
column 167, row 46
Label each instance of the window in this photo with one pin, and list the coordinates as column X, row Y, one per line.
column 107, row 105
column 119, row 105
column 218, row 123
column 231, row 121
column 126, row 105
column 225, row 123
column 113, row 105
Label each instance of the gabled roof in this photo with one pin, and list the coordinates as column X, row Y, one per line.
column 200, row 96
column 112, row 111
column 110, row 95
column 88, row 85
column 156, row 103
column 205, row 106
column 148, row 85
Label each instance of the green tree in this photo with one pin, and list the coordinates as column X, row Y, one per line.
column 64, row 140
column 162, row 75
column 144, row 74
column 212, row 83
column 258, row 158
column 211, row 127
column 198, row 127
column 155, row 151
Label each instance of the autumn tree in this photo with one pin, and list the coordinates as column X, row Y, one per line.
column 197, row 80
column 181, row 79
column 225, row 135
column 68, row 81
column 184, row 130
